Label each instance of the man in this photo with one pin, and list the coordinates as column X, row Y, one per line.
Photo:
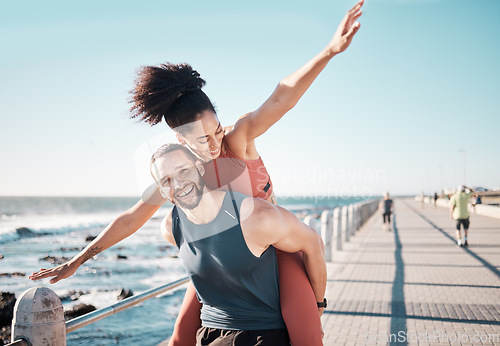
column 459, row 211
column 227, row 242
column 386, row 207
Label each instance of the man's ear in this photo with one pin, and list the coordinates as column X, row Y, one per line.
column 200, row 167
column 180, row 138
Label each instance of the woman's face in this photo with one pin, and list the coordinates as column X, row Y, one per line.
column 204, row 136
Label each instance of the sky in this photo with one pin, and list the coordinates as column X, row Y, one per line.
column 411, row 103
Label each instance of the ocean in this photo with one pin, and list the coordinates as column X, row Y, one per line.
column 34, row 228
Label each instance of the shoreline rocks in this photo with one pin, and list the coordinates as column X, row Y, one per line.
column 55, row 260
column 78, row 310
column 7, row 302
column 15, row 274
column 90, row 238
column 125, row 293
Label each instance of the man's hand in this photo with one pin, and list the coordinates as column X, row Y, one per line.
column 346, row 30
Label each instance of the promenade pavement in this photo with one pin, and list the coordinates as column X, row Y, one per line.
column 414, row 285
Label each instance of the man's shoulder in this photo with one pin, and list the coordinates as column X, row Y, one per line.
column 256, row 209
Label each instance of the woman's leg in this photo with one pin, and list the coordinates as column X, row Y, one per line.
column 298, row 302
column 188, row 321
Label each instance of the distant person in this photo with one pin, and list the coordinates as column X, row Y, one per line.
column 476, row 201
column 435, row 198
column 386, row 206
column 459, row 211
column 422, row 200
column 227, row 241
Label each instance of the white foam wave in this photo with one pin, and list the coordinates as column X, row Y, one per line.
column 52, row 224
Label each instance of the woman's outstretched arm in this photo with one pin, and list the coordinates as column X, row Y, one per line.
column 120, row 228
column 290, row 89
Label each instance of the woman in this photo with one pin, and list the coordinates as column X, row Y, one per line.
column 173, row 93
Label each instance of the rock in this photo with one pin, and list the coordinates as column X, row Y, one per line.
column 73, row 295
column 5, row 335
column 7, row 301
column 89, row 238
column 63, row 249
column 164, row 248
column 25, row 232
column 55, row 260
column 120, row 257
column 15, row 274
column 78, row 310
column 125, row 293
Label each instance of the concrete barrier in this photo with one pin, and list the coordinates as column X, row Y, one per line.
column 327, row 232
column 345, row 223
column 337, row 226
column 39, row 318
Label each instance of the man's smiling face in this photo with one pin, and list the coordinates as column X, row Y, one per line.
column 180, row 178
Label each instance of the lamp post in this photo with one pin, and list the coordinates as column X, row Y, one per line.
column 463, row 152
column 441, row 171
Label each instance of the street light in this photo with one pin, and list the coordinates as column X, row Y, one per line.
column 463, row 152
column 441, row 169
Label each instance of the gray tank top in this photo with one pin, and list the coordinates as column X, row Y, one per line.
column 387, row 205
column 238, row 290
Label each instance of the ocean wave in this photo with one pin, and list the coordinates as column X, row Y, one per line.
column 10, row 234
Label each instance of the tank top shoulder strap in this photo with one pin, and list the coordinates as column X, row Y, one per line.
column 176, row 228
column 237, row 199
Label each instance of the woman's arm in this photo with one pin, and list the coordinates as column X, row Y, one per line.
column 290, row 89
column 120, row 228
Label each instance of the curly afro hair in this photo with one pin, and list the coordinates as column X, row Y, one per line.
column 170, row 91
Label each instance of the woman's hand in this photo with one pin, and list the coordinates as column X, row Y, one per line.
column 289, row 90
column 346, row 30
column 60, row 272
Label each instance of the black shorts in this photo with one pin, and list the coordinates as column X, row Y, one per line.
column 464, row 222
column 387, row 216
column 221, row 337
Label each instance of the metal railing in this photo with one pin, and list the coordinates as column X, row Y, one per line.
column 19, row 342
column 97, row 315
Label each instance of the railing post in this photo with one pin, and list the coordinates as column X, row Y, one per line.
column 358, row 215
column 351, row 220
column 345, row 223
column 311, row 222
column 326, row 233
column 39, row 318
column 337, row 228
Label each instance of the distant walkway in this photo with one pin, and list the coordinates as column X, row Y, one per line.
column 414, row 285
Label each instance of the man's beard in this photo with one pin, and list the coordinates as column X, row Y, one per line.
column 195, row 196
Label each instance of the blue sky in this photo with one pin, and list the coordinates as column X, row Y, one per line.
column 420, row 81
